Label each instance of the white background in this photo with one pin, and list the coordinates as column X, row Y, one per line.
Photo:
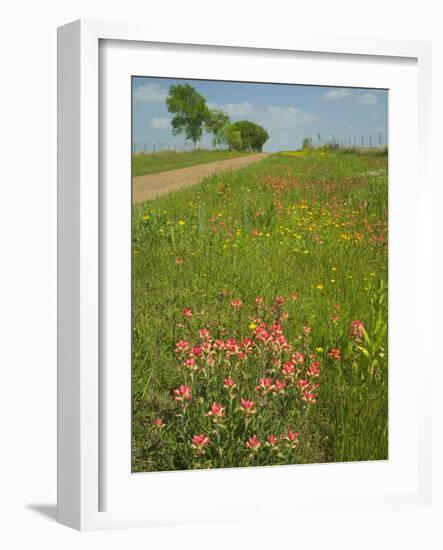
column 28, row 267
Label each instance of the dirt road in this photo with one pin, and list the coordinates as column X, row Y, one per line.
column 155, row 185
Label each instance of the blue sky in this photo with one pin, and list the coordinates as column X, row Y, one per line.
column 288, row 112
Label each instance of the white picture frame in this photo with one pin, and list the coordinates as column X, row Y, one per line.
column 80, row 394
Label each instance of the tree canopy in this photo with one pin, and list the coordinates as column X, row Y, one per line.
column 189, row 109
column 253, row 135
column 215, row 122
column 231, row 136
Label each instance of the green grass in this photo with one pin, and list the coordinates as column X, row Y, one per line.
column 153, row 163
column 309, row 227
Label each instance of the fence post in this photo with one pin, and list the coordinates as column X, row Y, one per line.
column 370, row 141
column 379, row 136
column 362, row 141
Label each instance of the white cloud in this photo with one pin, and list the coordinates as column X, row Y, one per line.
column 288, row 116
column 160, row 123
column 150, row 93
column 367, row 99
column 339, row 93
column 270, row 117
column 233, row 109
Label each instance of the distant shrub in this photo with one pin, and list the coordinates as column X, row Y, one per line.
column 307, row 143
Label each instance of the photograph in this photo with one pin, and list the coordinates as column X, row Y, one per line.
column 259, row 274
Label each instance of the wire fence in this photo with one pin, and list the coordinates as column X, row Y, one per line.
column 369, row 141
column 159, row 147
column 365, row 141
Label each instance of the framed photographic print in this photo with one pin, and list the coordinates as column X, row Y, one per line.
column 234, row 224
column 248, row 289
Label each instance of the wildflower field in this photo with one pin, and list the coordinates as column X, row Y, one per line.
column 259, row 303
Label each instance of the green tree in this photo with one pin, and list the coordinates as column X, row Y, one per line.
column 215, row 122
column 253, row 135
column 190, row 111
column 231, row 136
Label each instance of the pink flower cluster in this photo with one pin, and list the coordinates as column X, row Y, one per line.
column 199, row 442
column 207, row 350
column 289, row 368
column 357, row 330
column 233, row 388
column 290, row 439
column 183, row 393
